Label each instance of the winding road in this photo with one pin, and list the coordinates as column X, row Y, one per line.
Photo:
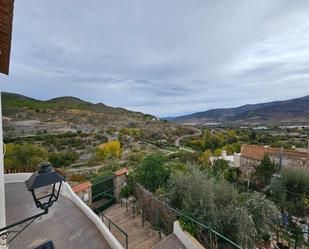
column 198, row 132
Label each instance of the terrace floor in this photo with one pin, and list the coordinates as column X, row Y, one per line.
column 65, row 224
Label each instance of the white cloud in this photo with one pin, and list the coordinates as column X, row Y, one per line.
column 161, row 57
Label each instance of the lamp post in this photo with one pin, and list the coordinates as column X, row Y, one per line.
column 44, row 185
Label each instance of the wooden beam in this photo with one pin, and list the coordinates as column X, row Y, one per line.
column 6, row 20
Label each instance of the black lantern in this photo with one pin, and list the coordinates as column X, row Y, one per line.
column 43, row 186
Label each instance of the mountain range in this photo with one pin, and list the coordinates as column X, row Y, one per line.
column 292, row 111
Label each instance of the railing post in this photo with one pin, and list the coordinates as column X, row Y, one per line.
column 296, row 240
column 127, row 243
column 159, row 223
column 133, row 210
column 143, row 217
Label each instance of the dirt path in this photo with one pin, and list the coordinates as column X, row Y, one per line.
column 198, row 132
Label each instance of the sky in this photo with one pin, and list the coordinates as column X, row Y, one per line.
column 162, row 57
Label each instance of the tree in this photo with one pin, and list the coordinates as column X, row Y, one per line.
column 231, row 137
column 265, row 170
column 290, row 190
column 204, row 158
column 107, row 151
column 213, row 201
column 221, row 168
column 218, row 152
column 152, row 173
column 24, row 157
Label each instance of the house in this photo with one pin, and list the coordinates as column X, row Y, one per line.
column 233, row 160
column 252, row 155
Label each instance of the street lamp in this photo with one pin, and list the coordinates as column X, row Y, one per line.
column 42, row 184
column 45, row 185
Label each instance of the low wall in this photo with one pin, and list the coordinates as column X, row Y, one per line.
column 67, row 192
column 186, row 238
column 18, row 177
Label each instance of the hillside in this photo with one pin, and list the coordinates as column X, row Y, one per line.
column 293, row 111
column 27, row 116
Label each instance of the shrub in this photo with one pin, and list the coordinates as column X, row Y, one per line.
column 126, row 191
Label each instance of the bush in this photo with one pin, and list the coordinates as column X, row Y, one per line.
column 110, row 150
column 63, row 159
column 126, row 191
column 77, row 178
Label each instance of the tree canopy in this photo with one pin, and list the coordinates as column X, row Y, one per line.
column 24, row 157
column 244, row 218
column 265, row 170
column 153, row 173
column 290, row 190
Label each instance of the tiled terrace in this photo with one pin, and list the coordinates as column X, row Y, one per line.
column 66, row 225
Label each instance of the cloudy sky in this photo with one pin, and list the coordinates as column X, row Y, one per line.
column 164, row 57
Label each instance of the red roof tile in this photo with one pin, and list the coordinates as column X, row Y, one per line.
column 81, row 187
column 121, row 172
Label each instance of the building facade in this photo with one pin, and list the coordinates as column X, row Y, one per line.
column 252, row 155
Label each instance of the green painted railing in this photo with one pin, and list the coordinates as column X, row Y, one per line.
column 222, row 240
column 104, row 217
column 103, row 190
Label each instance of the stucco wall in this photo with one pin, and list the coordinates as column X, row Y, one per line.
column 186, row 238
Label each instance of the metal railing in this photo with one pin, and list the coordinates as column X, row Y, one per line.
column 210, row 232
column 292, row 238
column 162, row 216
column 118, row 228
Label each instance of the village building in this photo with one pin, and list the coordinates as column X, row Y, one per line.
column 252, row 155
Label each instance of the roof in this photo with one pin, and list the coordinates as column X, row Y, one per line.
column 257, row 152
column 6, row 19
column 81, row 187
column 65, row 224
column 121, row 171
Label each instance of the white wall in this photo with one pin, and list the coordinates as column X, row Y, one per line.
column 186, row 238
column 19, row 177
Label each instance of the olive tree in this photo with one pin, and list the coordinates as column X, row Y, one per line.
column 216, row 203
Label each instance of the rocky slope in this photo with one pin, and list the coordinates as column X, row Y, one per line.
column 27, row 116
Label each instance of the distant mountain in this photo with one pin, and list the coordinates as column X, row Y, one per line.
column 293, row 111
column 13, row 100
column 23, row 115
